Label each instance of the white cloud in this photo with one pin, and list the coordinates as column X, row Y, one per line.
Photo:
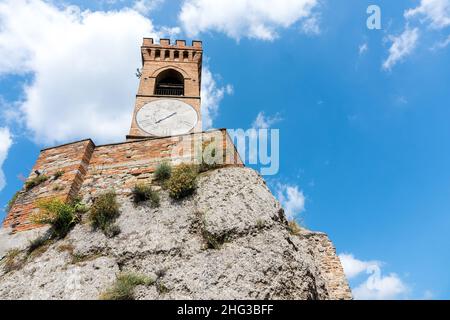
column 436, row 12
column 261, row 122
column 5, row 145
column 363, row 48
column 170, row 32
column 311, row 25
column 83, row 68
column 376, row 286
column 402, row 46
column 442, row 44
column 265, row 122
column 292, row 199
column 379, row 287
column 212, row 95
column 260, row 19
column 146, row 6
column 354, row 267
column 428, row 295
column 401, row 100
column 9, row 112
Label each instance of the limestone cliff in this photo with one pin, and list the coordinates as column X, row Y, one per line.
column 258, row 257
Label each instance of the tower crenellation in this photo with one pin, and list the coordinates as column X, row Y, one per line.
column 165, row 51
column 149, row 42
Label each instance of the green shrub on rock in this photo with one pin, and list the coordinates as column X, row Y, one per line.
column 163, row 172
column 60, row 215
column 183, row 181
column 34, row 182
column 143, row 192
column 104, row 211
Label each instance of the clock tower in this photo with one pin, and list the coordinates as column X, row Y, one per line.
column 168, row 98
column 166, row 127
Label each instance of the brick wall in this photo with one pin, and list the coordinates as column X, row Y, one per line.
column 72, row 160
column 90, row 169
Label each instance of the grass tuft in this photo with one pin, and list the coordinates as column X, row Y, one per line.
column 208, row 160
column 58, row 174
column 162, row 288
column 260, row 224
column 58, row 188
column 112, row 230
column 163, row 172
column 13, row 261
column 60, row 215
column 104, row 212
column 143, row 193
column 38, row 245
column 34, row 182
column 123, row 288
column 294, row 228
column 211, row 240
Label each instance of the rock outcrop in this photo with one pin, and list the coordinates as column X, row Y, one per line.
column 230, row 240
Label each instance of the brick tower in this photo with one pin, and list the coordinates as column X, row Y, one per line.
column 168, row 98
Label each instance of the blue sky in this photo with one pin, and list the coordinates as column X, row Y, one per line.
column 363, row 138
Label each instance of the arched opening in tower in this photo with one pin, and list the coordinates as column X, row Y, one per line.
column 169, row 83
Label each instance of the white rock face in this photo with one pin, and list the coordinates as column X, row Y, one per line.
column 19, row 240
column 253, row 255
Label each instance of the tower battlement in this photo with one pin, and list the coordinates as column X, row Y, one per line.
column 165, row 51
column 149, row 42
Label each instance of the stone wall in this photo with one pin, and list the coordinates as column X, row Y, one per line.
column 121, row 166
column 329, row 264
column 91, row 168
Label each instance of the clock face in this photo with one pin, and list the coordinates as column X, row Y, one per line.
column 166, row 117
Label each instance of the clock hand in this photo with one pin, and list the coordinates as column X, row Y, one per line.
column 169, row 116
